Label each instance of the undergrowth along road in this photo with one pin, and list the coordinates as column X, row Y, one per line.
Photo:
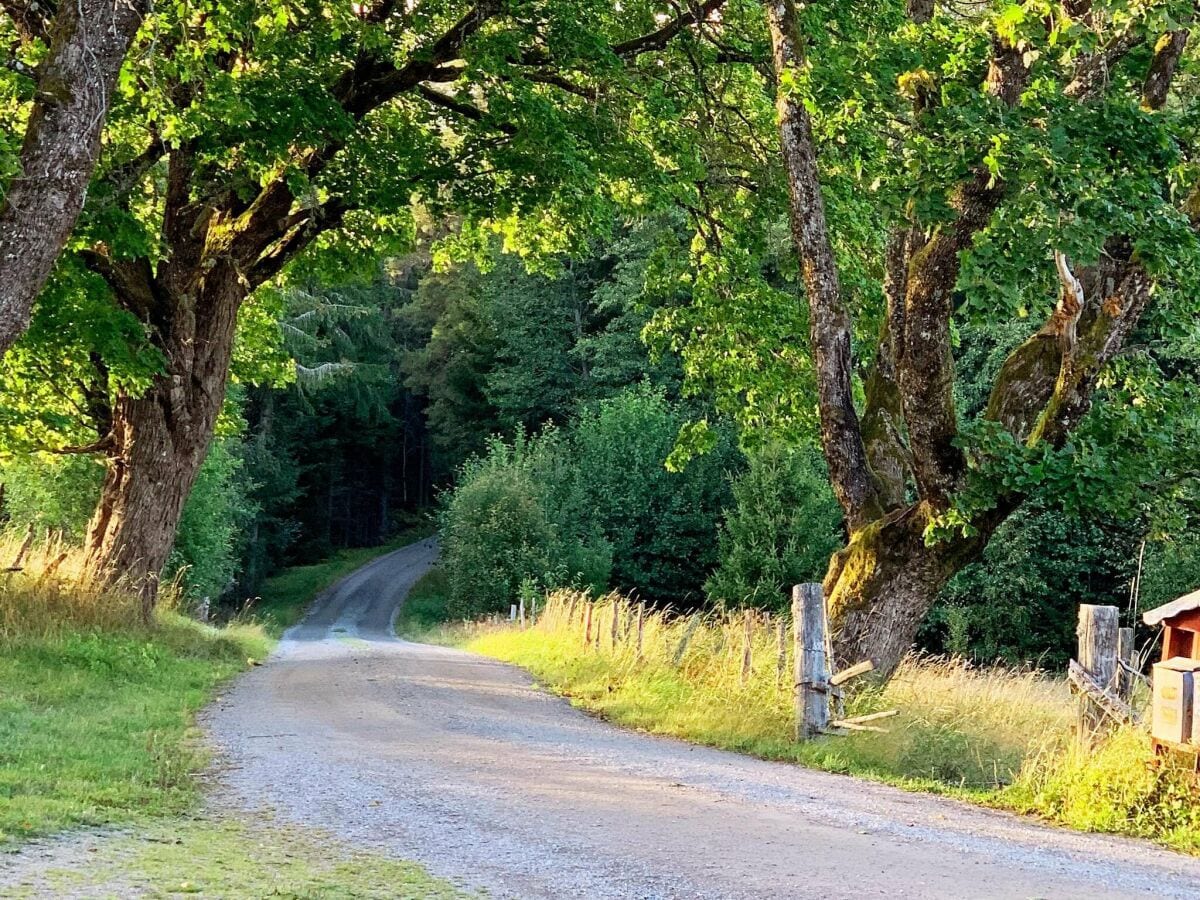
column 999, row 737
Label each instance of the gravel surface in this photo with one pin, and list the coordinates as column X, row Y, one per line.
column 462, row 764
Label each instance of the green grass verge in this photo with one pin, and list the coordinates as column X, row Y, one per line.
column 285, row 597
column 229, row 858
column 423, row 612
column 96, row 726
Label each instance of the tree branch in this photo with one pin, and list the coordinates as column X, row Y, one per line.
column 466, row 110
column 1167, row 52
column 1092, row 72
column 829, row 321
column 300, row 231
column 657, row 40
column 924, row 362
column 32, row 18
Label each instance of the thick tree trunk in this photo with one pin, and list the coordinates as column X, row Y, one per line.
column 151, row 469
column 883, row 583
column 159, row 440
column 88, row 41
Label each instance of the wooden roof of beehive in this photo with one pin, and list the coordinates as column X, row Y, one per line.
column 1186, row 603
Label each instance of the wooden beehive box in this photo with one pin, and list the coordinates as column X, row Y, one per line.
column 1177, row 677
column 1171, row 719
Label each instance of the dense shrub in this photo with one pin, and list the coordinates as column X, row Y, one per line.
column 662, row 525
column 781, row 529
column 216, row 519
column 1020, row 601
column 495, row 534
column 54, row 492
column 592, row 505
column 512, row 519
column 1170, row 568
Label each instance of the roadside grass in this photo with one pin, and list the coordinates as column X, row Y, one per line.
column 96, row 707
column 422, row 615
column 231, row 858
column 285, row 597
column 996, row 736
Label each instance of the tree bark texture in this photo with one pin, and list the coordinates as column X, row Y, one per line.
column 88, row 40
column 159, row 440
column 829, row 322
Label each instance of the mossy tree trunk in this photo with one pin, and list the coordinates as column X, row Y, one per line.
column 897, row 467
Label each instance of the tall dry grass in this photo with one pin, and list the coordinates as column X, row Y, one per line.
column 45, row 590
column 1001, row 736
column 959, row 725
column 97, row 703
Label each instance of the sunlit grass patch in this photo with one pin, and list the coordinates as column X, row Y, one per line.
column 96, row 725
column 96, row 705
column 960, row 727
column 1115, row 786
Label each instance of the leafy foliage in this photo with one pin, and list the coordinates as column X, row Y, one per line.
column 780, row 531
column 592, row 505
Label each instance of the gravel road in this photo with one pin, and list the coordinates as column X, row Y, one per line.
column 462, row 764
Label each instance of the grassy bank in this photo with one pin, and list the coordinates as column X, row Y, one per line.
column 96, row 709
column 422, row 616
column 284, row 597
column 995, row 736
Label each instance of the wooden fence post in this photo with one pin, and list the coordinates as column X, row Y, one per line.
column 641, row 626
column 512, row 613
column 521, row 611
column 780, row 651
column 812, row 673
column 1125, row 655
column 587, row 623
column 616, row 623
column 1098, row 634
column 687, row 636
column 747, row 643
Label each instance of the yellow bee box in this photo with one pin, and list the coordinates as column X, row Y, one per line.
column 1175, row 682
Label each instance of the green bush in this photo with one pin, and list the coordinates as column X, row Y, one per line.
column 215, row 519
column 592, row 506
column 496, row 534
column 784, row 525
column 1020, row 602
column 515, row 517
column 662, row 525
column 50, row 491
column 1170, row 568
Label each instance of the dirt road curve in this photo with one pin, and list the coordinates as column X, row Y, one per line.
column 462, row 764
